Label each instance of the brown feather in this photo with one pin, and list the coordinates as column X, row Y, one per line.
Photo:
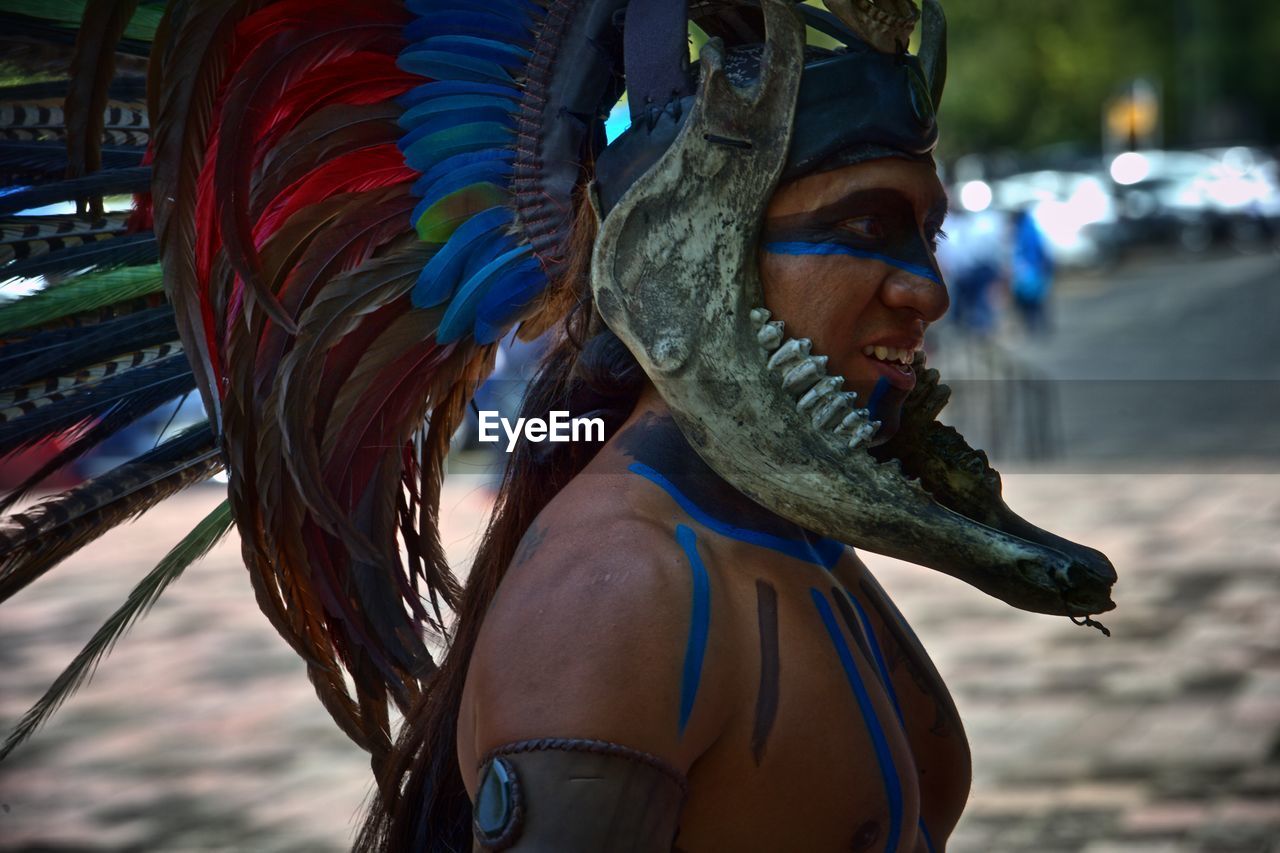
column 92, row 67
column 192, row 65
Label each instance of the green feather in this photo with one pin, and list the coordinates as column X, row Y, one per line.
column 69, row 13
column 84, row 294
column 437, row 223
column 195, row 545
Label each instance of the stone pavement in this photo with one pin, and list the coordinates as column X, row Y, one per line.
column 201, row 731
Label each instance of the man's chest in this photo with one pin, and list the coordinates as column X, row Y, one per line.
column 846, row 742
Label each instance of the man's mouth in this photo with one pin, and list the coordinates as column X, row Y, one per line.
column 894, row 364
column 891, row 355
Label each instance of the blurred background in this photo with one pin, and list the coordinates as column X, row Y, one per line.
column 1113, row 257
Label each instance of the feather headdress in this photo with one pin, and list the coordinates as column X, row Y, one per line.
column 339, row 207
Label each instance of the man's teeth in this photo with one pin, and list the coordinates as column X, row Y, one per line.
column 893, row 355
column 818, row 397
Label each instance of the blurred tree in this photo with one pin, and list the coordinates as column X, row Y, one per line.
column 1024, row 75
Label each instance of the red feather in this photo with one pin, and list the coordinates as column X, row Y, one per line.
column 364, row 169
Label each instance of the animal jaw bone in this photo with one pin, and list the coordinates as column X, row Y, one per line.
column 886, row 25
column 674, row 276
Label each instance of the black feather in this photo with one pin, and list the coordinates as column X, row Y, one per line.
column 45, row 159
column 132, row 394
column 116, row 419
column 37, row 539
column 124, row 251
column 136, row 179
column 24, row 237
column 63, row 351
column 18, row 27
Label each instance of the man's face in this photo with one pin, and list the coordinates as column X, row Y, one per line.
column 847, row 260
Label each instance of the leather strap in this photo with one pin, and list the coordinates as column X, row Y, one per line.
column 576, row 796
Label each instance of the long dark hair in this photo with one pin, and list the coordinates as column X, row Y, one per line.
column 587, row 372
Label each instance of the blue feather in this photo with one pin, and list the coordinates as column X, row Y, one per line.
column 456, row 118
column 422, row 207
column 460, row 161
column 509, row 56
column 472, row 23
column 484, row 171
column 506, row 8
column 449, row 88
column 507, row 299
column 459, row 317
column 438, row 278
column 426, row 152
column 444, row 65
column 414, row 117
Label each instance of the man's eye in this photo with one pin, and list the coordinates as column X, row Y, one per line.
column 935, row 235
column 867, row 227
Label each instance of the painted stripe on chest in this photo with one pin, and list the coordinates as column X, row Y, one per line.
column 880, row 743
column 825, row 552
column 770, row 669
column 699, row 624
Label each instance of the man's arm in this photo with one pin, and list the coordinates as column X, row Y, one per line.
column 579, row 721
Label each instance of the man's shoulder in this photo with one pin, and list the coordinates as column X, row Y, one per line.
column 609, row 550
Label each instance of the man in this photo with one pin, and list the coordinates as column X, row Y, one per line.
column 679, row 654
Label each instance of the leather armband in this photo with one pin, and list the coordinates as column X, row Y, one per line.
column 576, row 796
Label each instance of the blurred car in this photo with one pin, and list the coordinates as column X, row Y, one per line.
column 1075, row 211
column 1196, row 198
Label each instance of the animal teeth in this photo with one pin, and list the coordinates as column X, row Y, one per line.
column 802, row 377
column 760, row 316
column 818, row 392
column 833, row 409
column 853, row 420
column 770, row 335
column 863, row 433
column 793, row 350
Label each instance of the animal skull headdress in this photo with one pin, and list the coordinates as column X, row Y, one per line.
column 681, row 194
column 675, row 276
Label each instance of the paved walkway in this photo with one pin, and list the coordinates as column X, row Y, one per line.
column 201, row 731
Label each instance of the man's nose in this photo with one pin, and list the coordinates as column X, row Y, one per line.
column 924, row 296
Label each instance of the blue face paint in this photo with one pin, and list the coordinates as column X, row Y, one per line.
column 878, row 225
column 850, row 251
column 877, row 397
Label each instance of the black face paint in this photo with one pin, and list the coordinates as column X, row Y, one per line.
column 879, row 225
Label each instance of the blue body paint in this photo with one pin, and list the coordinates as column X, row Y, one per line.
column 825, row 553
column 699, row 625
column 924, row 833
column 884, row 758
column 792, row 247
column 878, row 655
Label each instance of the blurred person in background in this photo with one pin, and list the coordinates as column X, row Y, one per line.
column 974, row 259
column 1030, row 273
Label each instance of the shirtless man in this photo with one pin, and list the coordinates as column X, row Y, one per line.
column 749, row 685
